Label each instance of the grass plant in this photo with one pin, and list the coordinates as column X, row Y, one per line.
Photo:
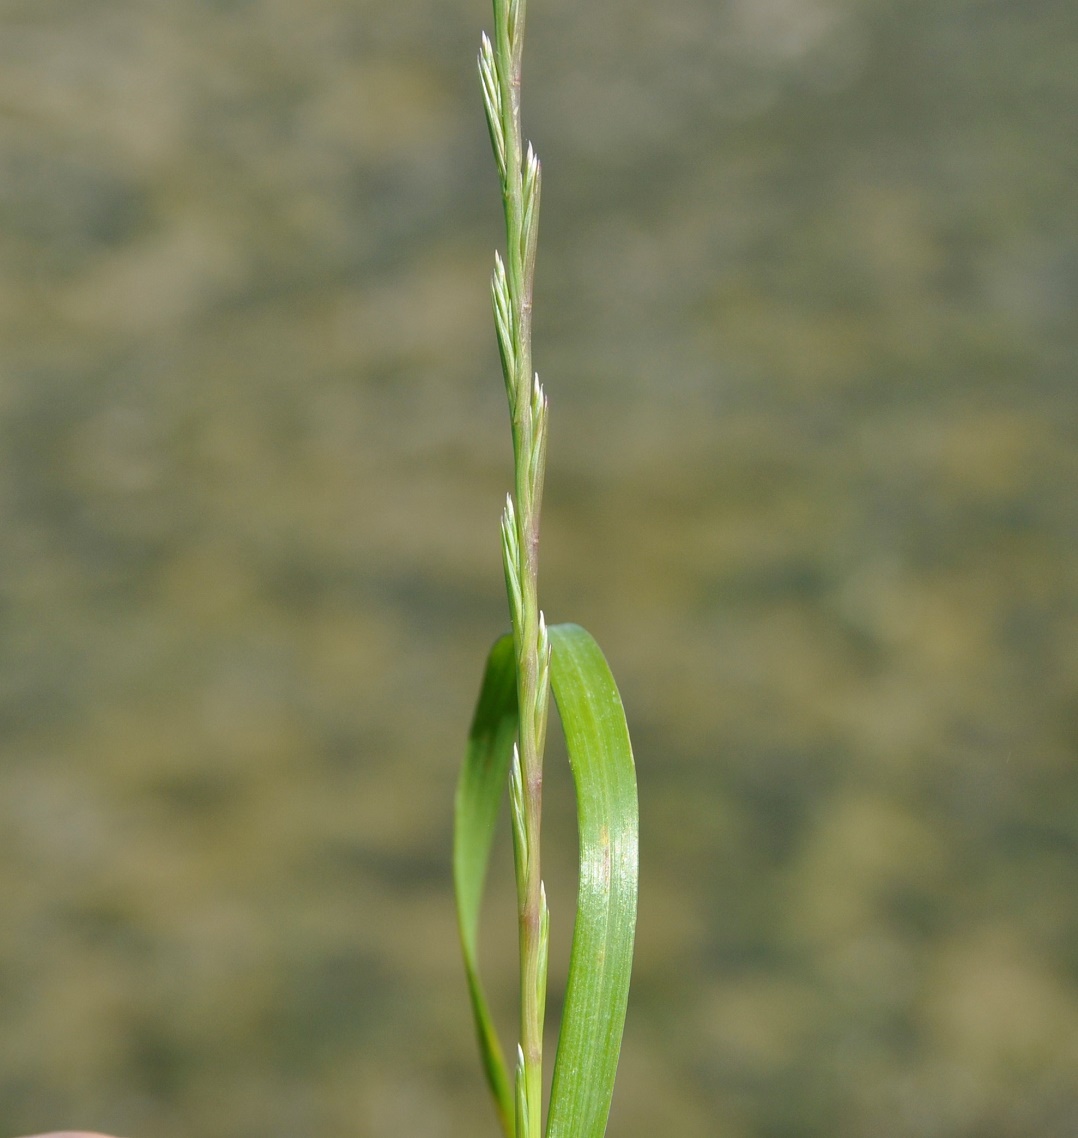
column 508, row 733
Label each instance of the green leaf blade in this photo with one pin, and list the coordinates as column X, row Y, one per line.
column 479, row 792
column 600, row 753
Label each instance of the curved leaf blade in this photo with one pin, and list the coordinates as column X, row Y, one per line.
column 600, row 754
column 479, row 792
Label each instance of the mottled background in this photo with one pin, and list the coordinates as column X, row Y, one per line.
column 806, row 314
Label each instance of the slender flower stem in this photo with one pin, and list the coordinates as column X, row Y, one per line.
column 500, row 70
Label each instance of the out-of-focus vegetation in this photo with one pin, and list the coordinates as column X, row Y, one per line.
column 807, row 290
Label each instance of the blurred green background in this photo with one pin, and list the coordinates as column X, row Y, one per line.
column 806, row 312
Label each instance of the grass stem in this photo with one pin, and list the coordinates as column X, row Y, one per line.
column 512, row 286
